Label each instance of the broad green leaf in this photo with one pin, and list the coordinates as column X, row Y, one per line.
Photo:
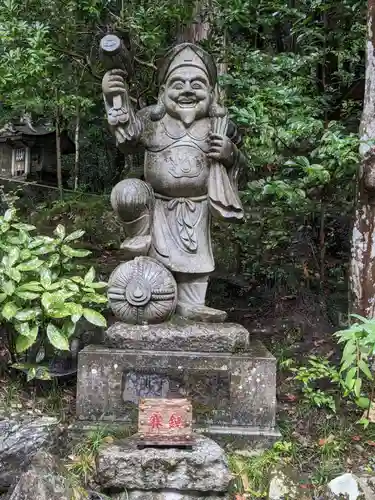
column 25, row 254
column 76, row 235
column 94, row 317
column 3, row 296
column 14, row 274
column 55, row 300
column 95, row 298
column 44, row 249
column 31, row 374
column 31, row 265
column 76, row 311
column 42, row 373
column 8, row 287
column 57, row 339
column 74, row 308
column 23, row 343
column 8, row 216
column 349, row 380
column 99, row 284
column 22, row 366
column 365, row 422
column 77, row 279
column 60, row 231
column 13, row 256
column 27, row 295
column 357, row 387
column 4, row 227
column 45, row 277
column 47, row 300
column 54, row 260
column 363, row 403
column 31, row 286
column 69, row 328
column 38, row 241
column 89, row 277
column 72, row 252
column 9, row 311
column 27, row 314
column 24, row 227
column 349, row 350
column 54, row 286
column 72, row 286
column 365, row 369
column 23, row 328
column 40, row 355
column 59, row 312
column 362, row 319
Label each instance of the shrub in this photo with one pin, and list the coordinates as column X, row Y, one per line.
column 44, row 292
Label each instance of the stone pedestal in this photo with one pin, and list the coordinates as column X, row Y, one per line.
column 232, row 382
column 164, row 473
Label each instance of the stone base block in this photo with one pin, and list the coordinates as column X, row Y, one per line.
column 179, row 335
column 233, row 394
column 204, row 468
column 167, row 495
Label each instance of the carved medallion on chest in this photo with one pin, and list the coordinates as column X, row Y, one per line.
column 185, row 161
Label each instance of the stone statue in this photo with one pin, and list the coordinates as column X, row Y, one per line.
column 191, row 168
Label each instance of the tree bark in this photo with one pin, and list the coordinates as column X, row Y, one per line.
column 76, row 142
column 58, row 156
column 362, row 279
column 199, row 29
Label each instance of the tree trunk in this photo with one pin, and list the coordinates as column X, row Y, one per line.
column 58, row 157
column 199, row 29
column 76, row 143
column 362, row 280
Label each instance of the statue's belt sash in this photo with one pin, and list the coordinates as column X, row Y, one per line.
column 186, row 219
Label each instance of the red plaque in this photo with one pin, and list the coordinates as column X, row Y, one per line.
column 165, row 422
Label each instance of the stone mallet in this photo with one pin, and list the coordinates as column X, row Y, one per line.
column 115, row 56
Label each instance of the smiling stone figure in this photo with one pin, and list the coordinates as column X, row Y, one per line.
column 191, row 169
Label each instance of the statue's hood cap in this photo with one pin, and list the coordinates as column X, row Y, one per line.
column 187, row 54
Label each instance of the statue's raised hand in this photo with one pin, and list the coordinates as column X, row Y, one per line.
column 221, row 149
column 115, row 93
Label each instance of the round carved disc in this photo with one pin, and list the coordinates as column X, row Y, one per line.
column 142, row 291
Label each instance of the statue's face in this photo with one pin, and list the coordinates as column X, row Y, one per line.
column 187, row 94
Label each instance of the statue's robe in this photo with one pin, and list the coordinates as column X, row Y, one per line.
column 178, row 169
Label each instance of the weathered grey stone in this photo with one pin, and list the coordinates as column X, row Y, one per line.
column 45, row 480
column 232, row 394
column 367, row 486
column 345, row 485
column 125, row 466
column 167, row 495
column 191, row 170
column 179, row 336
column 203, row 314
column 284, row 485
column 352, row 487
column 20, row 439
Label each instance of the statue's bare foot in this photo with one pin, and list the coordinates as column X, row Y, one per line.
column 200, row 313
column 137, row 246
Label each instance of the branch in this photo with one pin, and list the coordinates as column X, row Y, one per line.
column 145, row 63
column 84, row 60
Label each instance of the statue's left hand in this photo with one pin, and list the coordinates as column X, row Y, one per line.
column 221, row 149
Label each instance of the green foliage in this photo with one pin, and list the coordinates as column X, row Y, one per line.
column 292, row 72
column 82, row 460
column 252, row 473
column 293, row 86
column 356, row 373
column 44, row 291
column 315, row 371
